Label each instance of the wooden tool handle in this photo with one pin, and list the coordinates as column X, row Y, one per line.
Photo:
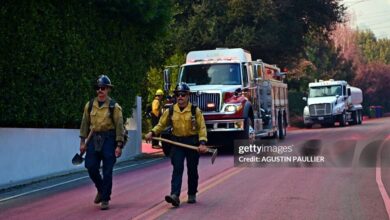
column 89, row 136
column 87, row 140
column 176, row 143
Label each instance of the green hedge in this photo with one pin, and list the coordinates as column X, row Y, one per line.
column 51, row 53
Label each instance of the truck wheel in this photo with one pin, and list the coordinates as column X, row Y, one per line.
column 355, row 118
column 248, row 128
column 308, row 125
column 343, row 120
column 360, row 117
column 281, row 128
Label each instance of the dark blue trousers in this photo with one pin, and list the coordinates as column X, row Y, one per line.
column 154, row 123
column 93, row 160
column 178, row 154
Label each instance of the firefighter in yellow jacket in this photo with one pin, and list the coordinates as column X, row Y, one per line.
column 104, row 117
column 187, row 129
column 156, row 113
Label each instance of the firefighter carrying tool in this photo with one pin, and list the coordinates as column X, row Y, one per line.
column 188, row 130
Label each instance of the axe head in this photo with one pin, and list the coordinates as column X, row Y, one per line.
column 77, row 159
column 214, row 153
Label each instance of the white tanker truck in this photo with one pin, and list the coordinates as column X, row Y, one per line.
column 333, row 101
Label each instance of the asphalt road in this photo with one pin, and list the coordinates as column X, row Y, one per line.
column 352, row 183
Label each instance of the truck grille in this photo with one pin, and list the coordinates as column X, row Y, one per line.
column 201, row 100
column 320, row 109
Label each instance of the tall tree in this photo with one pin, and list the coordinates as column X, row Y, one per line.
column 271, row 30
column 372, row 48
column 373, row 79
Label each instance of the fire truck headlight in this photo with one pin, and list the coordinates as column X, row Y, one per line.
column 232, row 108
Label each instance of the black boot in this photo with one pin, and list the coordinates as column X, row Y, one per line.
column 174, row 199
column 105, row 205
column 191, row 199
column 98, row 198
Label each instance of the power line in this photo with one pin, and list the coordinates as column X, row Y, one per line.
column 355, row 3
column 372, row 18
column 381, row 11
column 376, row 19
column 380, row 28
column 378, row 24
column 383, row 36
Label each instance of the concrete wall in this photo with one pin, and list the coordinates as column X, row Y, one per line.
column 28, row 154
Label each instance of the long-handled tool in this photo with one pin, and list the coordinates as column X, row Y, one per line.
column 78, row 158
column 214, row 152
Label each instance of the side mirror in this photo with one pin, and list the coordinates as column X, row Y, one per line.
column 304, row 99
column 167, row 79
column 349, row 92
column 257, row 71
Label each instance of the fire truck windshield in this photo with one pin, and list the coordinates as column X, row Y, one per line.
column 211, row 74
column 321, row 91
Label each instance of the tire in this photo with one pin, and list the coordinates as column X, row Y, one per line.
column 360, row 117
column 355, row 118
column 343, row 120
column 281, row 128
column 248, row 124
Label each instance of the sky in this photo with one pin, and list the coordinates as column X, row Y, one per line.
column 370, row 14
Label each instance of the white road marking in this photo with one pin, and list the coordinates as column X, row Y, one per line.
column 70, row 181
column 382, row 189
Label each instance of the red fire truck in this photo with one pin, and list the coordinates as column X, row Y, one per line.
column 240, row 98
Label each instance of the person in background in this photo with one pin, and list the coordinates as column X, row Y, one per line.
column 156, row 113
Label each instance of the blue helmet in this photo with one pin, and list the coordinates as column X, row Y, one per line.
column 182, row 87
column 103, row 80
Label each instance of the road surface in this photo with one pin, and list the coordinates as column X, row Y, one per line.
column 352, row 183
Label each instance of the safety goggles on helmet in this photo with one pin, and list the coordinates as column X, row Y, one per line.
column 181, row 94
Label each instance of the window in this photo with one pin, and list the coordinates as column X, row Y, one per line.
column 211, row 74
column 321, row 91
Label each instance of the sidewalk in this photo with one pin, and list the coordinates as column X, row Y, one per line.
column 148, row 155
column 147, row 148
